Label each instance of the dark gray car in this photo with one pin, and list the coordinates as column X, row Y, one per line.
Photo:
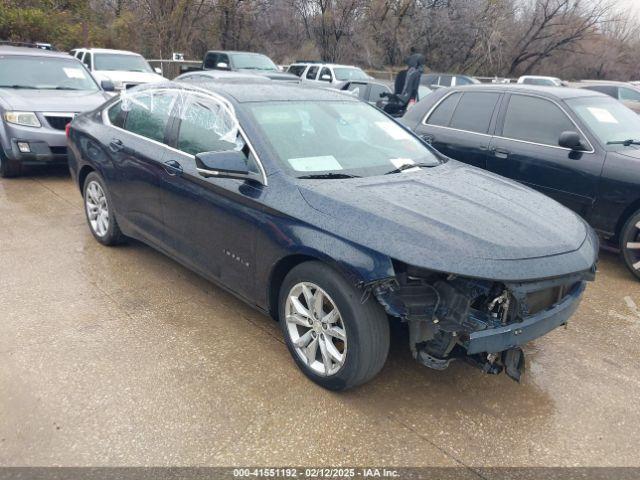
column 40, row 93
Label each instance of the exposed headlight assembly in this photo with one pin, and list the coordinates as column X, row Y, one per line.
column 28, row 119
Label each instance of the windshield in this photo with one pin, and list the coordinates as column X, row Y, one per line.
column 347, row 138
column 117, row 61
column 349, row 73
column 252, row 61
column 44, row 73
column 607, row 118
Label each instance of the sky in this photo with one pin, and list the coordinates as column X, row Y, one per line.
column 632, row 6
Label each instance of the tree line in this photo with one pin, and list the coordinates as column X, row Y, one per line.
column 568, row 38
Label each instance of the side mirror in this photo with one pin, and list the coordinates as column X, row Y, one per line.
column 571, row 140
column 325, row 78
column 158, row 70
column 229, row 164
column 108, row 86
column 222, row 65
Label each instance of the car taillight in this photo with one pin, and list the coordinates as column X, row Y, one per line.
column 66, row 129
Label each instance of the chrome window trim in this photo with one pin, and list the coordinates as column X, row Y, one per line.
column 428, row 114
column 105, row 119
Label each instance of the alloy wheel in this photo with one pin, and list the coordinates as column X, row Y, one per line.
column 316, row 328
column 97, row 208
column 632, row 247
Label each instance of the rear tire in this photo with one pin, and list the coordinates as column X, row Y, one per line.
column 630, row 244
column 9, row 168
column 352, row 335
column 98, row 209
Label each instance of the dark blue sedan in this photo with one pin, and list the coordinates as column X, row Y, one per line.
column 323, row 212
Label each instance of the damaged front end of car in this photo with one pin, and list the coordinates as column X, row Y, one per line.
column 484, row 322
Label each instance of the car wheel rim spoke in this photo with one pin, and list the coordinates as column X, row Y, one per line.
column 316, row 329
column 97, row 209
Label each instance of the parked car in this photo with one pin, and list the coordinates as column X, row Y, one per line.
column 122, row 68
column 245, row 62
column 323, row 74
column 369, row 91
column 439, row 80
column 577, row 146
column 322, row 211
column 625, row 92
column 221, row 76
column 540, row 81
column 40, row 92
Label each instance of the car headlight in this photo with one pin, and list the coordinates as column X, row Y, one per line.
column 28, row 119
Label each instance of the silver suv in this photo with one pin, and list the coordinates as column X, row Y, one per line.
column 40, row 93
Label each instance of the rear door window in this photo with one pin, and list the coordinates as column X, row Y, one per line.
column 445, row 80
column 376, row 91
column 535, row 119
column 359, row 89
column 87, row 60
column 441, row 116
column 312, row 72
column 474, row 111
column 148, row 113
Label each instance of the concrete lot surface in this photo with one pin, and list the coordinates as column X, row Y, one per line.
column 120, row 356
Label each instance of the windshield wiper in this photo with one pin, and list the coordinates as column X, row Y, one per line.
column 330, row 175
column 408, row 166
column 64, row 88
column 626, row 143
column 29, row 87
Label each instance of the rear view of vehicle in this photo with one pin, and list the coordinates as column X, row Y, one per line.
column 40, row 93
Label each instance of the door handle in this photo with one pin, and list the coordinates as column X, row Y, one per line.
column 500, row 152
column 427, row 138
column 173, row 167
column 116, row 145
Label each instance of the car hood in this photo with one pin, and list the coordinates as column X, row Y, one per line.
column 457, row 219
column 632, row 151
column 52, row 100
column 127, row 77
column 272, row 75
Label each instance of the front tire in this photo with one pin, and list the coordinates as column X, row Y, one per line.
column 630, row 244
column 9, row 168
column 99, row 211
column 335, row 339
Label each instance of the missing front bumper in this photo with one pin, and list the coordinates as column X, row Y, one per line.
column 482, row 322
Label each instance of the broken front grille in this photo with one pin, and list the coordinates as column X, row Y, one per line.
column 546, row 298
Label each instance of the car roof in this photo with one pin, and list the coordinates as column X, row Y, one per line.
column 32, row 52
column 320, row 64
column 259, row 92
column 553, row 92
column 236, row 51
column 108, row 50
column 604, row 83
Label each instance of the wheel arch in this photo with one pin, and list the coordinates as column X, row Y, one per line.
column 82, row 175
column 357, row 274
column 628, row 212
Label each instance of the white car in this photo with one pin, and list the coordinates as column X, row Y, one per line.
column 324, row 74
column 124, row 69
column 540, row 80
